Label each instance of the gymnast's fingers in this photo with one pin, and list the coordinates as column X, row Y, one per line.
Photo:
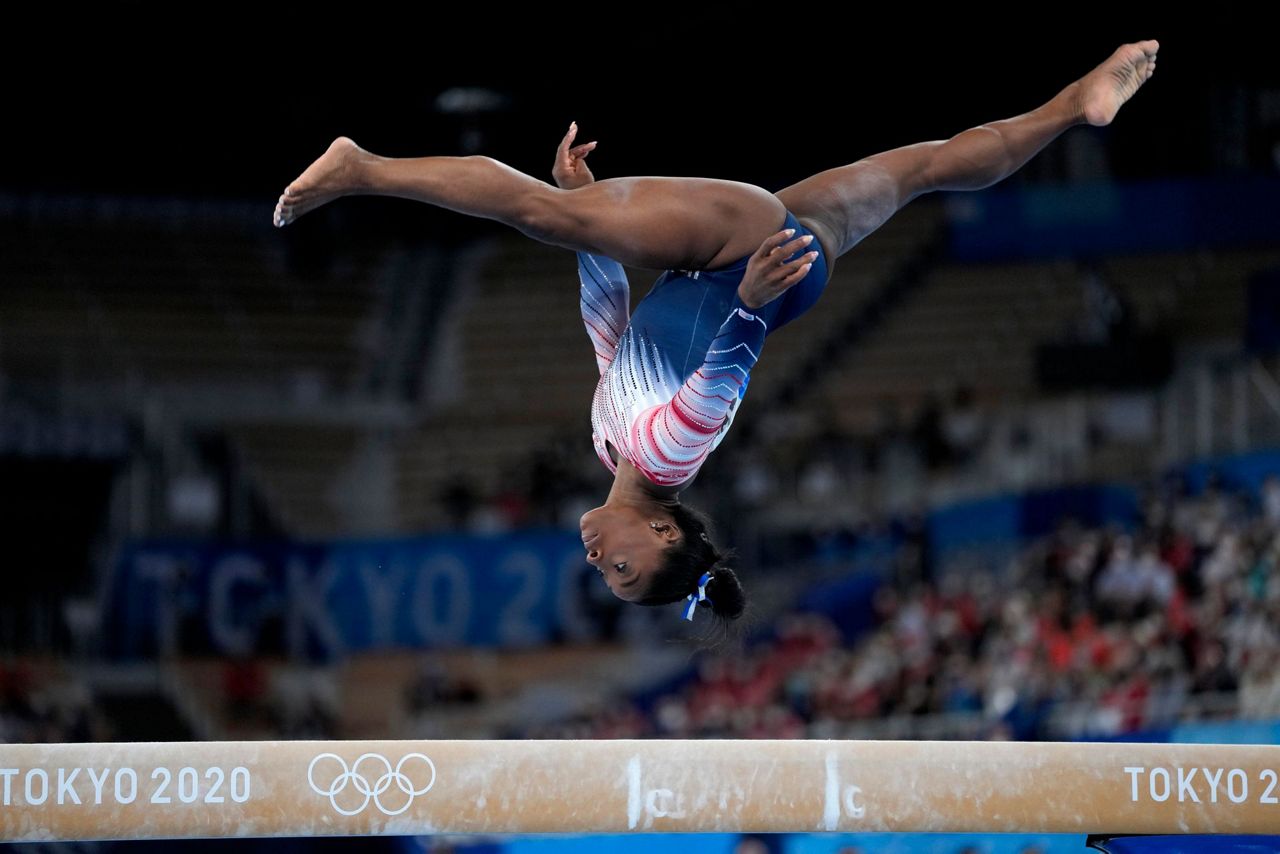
column 795, row 246
column 772, row 242
column 787, row 271
column 579, row 151
column 796, row 275
column 568, row 137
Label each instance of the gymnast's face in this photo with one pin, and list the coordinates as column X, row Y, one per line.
column 626, row 545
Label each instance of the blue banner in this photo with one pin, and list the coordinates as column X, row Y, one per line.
column 324, row 600
column 989, row 530
column 1105, row 218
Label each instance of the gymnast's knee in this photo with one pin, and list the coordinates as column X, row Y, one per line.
column 549, row 214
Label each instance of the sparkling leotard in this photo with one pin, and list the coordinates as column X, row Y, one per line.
column 673, row 374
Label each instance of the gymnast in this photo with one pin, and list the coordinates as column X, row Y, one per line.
column 739, row 263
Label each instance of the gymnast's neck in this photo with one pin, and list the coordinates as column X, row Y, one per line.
column 631, row 487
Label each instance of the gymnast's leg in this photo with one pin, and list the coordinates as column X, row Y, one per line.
column 652, row 222
column 843, row 205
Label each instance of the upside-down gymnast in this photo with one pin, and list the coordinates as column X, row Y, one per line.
column 740, row 262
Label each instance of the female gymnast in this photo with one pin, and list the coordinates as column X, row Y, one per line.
column 740, row 262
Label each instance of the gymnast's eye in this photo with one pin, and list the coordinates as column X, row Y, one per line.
column 621, row 567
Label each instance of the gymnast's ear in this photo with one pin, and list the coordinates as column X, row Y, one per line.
column 666, row 529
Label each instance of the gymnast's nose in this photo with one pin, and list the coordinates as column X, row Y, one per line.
column 591, row 542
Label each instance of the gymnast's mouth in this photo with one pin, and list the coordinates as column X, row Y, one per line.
column 589, row 538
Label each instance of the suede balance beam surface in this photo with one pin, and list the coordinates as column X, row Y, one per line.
column 313, row 788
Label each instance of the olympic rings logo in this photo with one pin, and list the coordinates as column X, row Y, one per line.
column 372, row 791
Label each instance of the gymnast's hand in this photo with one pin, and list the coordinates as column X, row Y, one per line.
column 769, row 274
column 570, row 169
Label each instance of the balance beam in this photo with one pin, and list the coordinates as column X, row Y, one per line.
column 314, row 788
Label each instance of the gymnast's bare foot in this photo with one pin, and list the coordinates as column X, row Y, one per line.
column 1105, row 89
column 335, row 173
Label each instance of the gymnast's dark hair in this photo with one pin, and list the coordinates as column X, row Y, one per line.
column 684, row 564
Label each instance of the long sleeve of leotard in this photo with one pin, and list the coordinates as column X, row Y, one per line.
column 675, row 438
column 605, row 297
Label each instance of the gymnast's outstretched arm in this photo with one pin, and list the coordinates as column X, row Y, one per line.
column 604, row 298
column 604, row 295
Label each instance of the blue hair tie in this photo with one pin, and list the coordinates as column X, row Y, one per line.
column 700, row 596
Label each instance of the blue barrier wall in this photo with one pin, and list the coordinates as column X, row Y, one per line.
column 324, row 600
column 1097, row 219
column 995, row 526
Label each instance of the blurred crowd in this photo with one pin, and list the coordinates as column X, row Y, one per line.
column 888, row 464
column 40, row 704
column 1089, row 632
column 559, row 481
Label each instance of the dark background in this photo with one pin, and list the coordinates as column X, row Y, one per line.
column 234, row 102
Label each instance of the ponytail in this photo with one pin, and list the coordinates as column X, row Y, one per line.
column 685, row 564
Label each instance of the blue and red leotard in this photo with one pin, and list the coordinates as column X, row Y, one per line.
column 673, row 374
